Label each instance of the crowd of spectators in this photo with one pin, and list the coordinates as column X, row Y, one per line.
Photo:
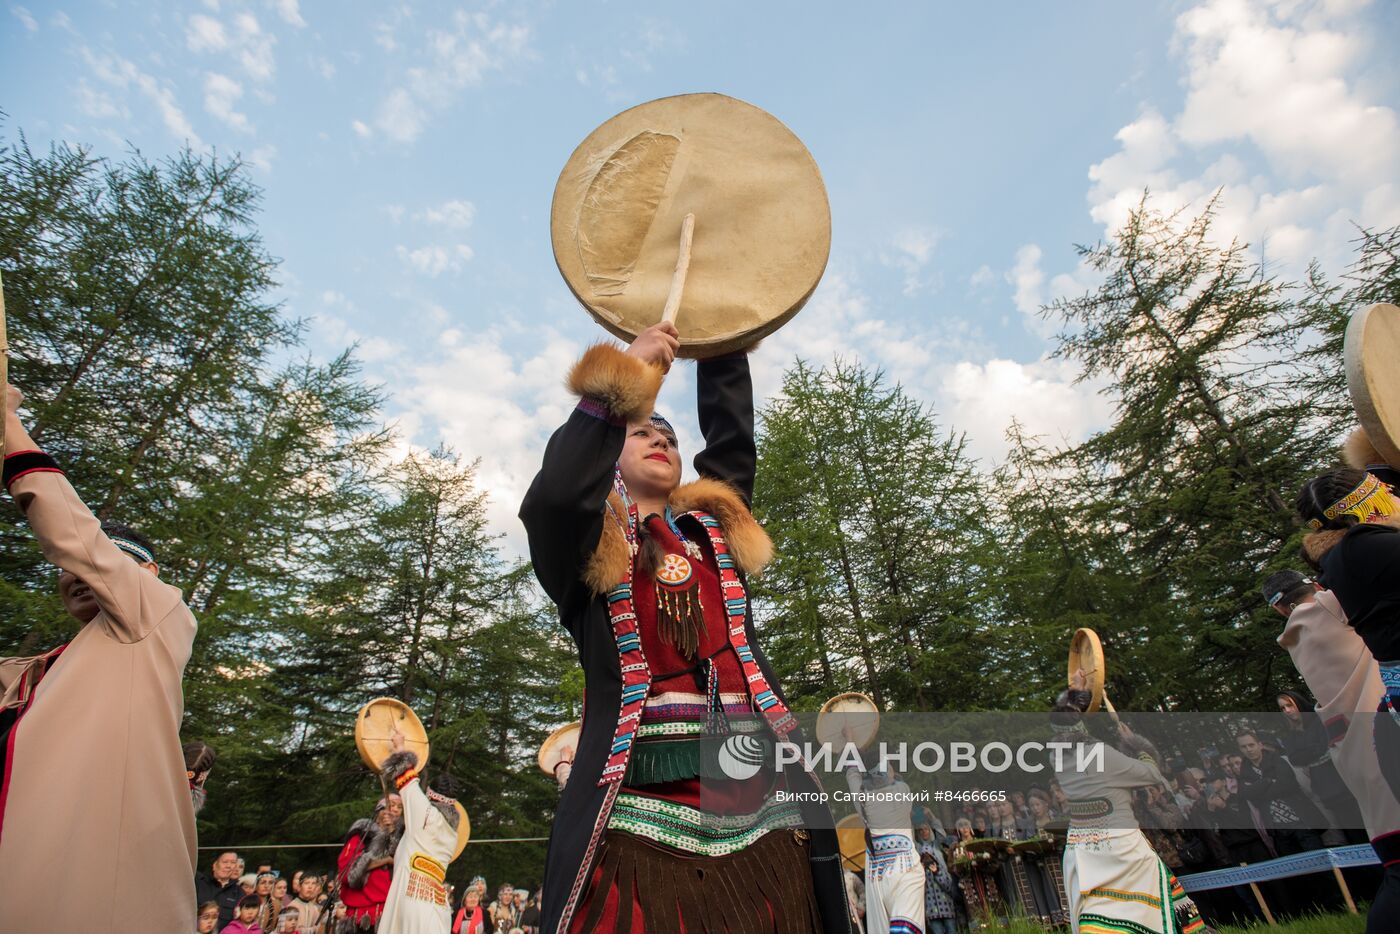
column 267, row 902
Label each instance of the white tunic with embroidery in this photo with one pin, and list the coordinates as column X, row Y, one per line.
column 417, row 902
column 894, row 877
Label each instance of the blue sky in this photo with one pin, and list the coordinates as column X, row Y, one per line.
column 408, row 154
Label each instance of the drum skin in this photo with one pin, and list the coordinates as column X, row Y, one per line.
column 375, row 723
column 1371, row 349
column 762, row 221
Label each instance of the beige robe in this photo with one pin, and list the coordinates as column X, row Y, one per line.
column 1340, row 672
column 98, row 830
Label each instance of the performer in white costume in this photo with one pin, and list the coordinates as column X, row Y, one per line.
column 1114, row 881
column 417, row 902
column 894, row 876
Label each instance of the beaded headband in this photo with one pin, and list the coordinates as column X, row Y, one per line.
column 659, row 421
column 1370, row 501
column 139, row 552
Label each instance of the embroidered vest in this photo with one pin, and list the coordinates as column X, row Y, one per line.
column 636, row 673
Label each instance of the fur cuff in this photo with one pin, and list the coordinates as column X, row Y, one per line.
column 1359, row 452
column 397, row 764
column 626, row 386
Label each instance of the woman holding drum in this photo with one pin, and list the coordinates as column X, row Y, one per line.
column 649, row 574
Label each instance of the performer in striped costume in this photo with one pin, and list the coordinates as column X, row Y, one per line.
column 1114, row 882
column 649, row 578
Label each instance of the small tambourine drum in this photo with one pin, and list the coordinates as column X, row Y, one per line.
column 375, row 724
column 1372, row 352
column 464, row 830
column 762, row 224
column 850, row 836
column 987, row 846
column 853, row 710
column 558, row 747
column 1085, row 651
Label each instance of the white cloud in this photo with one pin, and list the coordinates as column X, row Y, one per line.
column 243, row 39
column 255, row 52
column 983, row 399
column 982, row 278
column 361, row 130
column 433, row 261
column 118, row 74
column 261, row 158
column 205, row 34
column 489, row 403
column 99, row 104
column 221, row 93
column 910, row 250
column 290, row 12
column 452, row 59
column 25, row 17
column 1272, row 82
column 1028, row 281
column 454, row 214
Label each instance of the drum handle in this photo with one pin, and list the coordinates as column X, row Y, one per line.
column 673, row 299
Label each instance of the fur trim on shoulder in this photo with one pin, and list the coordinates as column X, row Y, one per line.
column 1359, row 452
column 608, row 563
column 1317, row 544
column 398, row 763
column 748, row 543
column 448, row 812
column 624, row 384
column 362, row 826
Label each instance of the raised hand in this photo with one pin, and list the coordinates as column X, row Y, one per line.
column 657, row 345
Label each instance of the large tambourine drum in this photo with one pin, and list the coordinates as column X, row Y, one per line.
column 1372, row 352
column 375, row 724
column 850, row 836
column 853, row 710
column 1085, row 651
column 762, row 229
column 464, row 830
column 559, row 747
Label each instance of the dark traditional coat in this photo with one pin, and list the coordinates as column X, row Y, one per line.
column 579, row 557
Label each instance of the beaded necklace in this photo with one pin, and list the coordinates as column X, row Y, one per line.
column 680, row 615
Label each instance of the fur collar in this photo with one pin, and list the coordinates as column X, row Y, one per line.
column 1316, row 544
column 748, row 543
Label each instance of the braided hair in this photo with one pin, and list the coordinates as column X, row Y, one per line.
column 1324, row 490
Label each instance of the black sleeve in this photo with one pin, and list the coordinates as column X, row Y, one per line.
column 563, row 509
column 725, row 400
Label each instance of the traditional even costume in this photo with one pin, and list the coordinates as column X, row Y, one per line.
column 1355, row 541
column 417, row 901
column 669, row 657
column 93, row 775
column 1114, row 882
column 363, row 891
column 894, row 875
column 1341, row 673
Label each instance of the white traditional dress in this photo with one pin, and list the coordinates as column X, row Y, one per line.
column 894, row 876
column 417, row 902
column 1114, row 881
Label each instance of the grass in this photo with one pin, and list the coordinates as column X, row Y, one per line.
column 1340, row 923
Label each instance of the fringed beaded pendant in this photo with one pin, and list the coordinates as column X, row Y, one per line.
column 680, row 616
